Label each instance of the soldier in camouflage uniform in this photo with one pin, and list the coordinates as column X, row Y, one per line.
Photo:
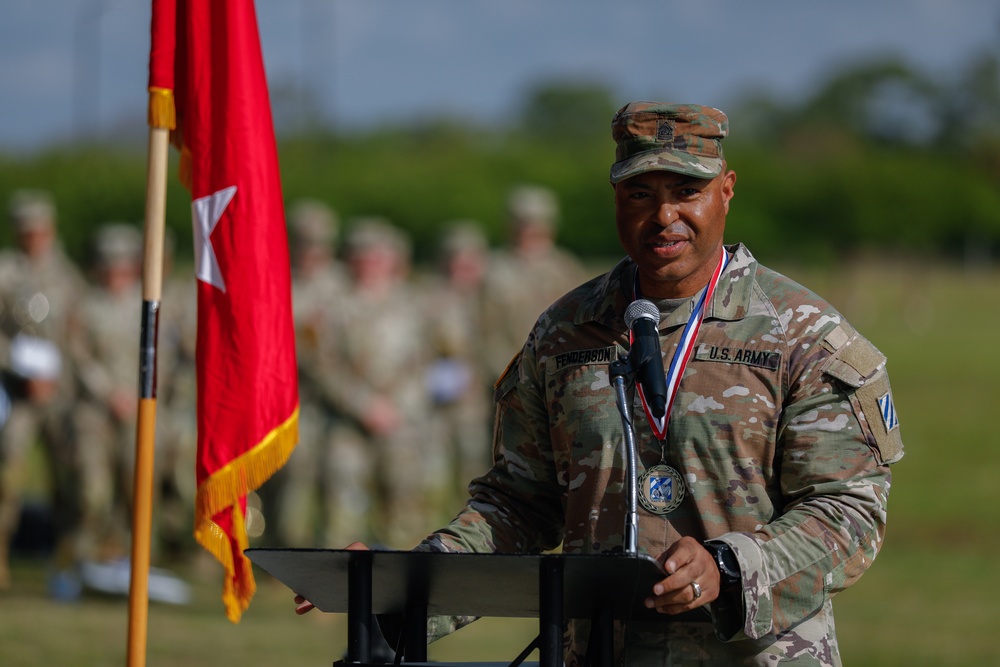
column 457, row 377
column 292, row 497
column 381, row 465
column 38, row 285
column 176, row 422
column 526, row 276
column 782, row 428
column 104, row 345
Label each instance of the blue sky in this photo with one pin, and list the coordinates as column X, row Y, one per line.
column 71, row 67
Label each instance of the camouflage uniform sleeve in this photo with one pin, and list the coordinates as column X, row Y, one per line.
column 835, row 448
column 94, row 378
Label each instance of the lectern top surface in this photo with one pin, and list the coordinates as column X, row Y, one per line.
column 465, row 584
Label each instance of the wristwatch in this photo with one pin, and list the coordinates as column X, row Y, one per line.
column 729, row 566
column 728, row 609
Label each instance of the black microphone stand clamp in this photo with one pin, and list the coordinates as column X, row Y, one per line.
column 621, row 370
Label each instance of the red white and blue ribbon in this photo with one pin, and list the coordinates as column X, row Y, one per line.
column 683, row 352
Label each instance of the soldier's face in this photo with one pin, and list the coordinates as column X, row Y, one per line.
column 671, row 225
column 36, row 241
column 375, row 266
column 466, row 268
column 532, row 238
column 119, row 276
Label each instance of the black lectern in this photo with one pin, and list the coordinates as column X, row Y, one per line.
column 410, row 586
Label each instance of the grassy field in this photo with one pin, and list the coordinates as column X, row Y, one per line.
column 930, row 598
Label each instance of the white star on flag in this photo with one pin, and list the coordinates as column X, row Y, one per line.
column 206, row 212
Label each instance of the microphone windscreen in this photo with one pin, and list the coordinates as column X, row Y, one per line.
column 641, row 309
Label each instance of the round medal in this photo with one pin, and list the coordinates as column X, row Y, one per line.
column 661, row 489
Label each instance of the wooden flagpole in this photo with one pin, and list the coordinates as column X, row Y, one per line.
column 145, row 439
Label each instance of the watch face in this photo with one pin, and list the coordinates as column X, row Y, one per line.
column 726, row 560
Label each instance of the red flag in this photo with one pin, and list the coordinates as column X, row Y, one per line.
column 247, row 388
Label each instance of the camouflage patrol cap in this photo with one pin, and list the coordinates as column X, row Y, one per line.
column 31, row 209
column 312, row 221
column 532, row 204
column 656, row 136
column 463, row 235
column 376, row 232
column 117, row 242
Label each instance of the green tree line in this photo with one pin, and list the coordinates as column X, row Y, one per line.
column 881, row 157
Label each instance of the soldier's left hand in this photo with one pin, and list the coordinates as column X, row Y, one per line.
column 304, row 606
column 693, row 580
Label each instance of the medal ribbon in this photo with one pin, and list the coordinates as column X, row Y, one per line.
column 684, row 349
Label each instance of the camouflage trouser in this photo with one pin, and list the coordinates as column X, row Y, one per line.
column 286, row 499
column 341, row 485
column 105, row 456
column 386, row 483
column 16, row 440
column 322, row 495
column 402, row 513
column 176, row 452
column 28, row 425
column 464, row 429
column 346, row 465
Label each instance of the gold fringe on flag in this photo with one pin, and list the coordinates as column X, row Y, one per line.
column 161, row 113
column 221, row 492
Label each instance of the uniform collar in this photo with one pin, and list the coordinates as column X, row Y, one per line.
column 732, row 297
column 611, row 294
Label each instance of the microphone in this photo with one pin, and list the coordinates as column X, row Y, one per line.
column 642, row 317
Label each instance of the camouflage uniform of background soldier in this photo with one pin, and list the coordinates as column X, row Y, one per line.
column 176, row 407
column 38, row 284
column 104, row 345
column 293, row 498
column 782, row 429
column 457, row 377
column 382, row 470
column 526, row 276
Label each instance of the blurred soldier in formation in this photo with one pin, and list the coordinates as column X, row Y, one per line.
column 104, row 345
column 176, row 423
column 526, row 277
column 372, row 359
column 292, row 498
column 457, row 378
column 38, row 285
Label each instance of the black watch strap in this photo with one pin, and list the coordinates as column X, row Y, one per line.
column 727, row 609
column 726, row 561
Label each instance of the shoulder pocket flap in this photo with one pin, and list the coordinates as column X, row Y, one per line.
column 856, row 361
column 843, row 372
